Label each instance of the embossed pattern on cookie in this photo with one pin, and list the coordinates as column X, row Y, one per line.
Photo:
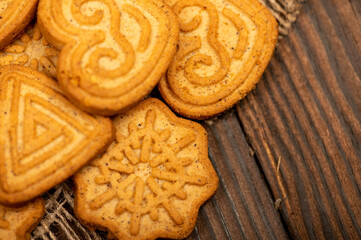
column 18, row 222
column 224, row 47
column 113, row 51
column 44, row 139
column 31, row 50
column 151, row 181
column 15, row 15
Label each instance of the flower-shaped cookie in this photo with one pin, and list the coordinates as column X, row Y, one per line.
column 31, row 50
column 151, row 181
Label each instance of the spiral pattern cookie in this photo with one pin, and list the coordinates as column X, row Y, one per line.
column 44, row 139
column 15, row 15
column 152, row 179
column 113, row 51
column 224, row 47
column 18, row 222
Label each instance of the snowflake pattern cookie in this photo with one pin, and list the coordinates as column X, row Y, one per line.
column 31, row 50
column 151, row 181
column 18, row 222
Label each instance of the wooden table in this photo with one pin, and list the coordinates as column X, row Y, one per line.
column 289, row 156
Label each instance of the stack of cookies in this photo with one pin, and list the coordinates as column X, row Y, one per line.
column 144, row 172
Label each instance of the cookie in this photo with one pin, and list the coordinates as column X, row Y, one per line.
column 44, row 139
column 31, row 49
column 152, row 179
column 15, row 15
column 224, row 47
column 113, row 52
column 19, row 222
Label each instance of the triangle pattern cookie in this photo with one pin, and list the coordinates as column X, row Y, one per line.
column 19, row 222
column 51, row 131
column 224, row 47
column 15, row 15
column 39, row 128
column 44, row 138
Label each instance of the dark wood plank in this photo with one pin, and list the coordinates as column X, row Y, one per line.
column 242, row 208
column 306, row 114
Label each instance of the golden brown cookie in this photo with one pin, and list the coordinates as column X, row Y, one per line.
column 224, row 47
column 15, row 15
column 44, row 139
column 30, row 49
column 152, row 179
column 113, row 51
column 17, row 223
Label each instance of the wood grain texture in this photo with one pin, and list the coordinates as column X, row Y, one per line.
column 242, row 208
column 306, row 113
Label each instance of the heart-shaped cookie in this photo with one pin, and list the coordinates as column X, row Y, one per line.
column 224, row 47
column 113, row 52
